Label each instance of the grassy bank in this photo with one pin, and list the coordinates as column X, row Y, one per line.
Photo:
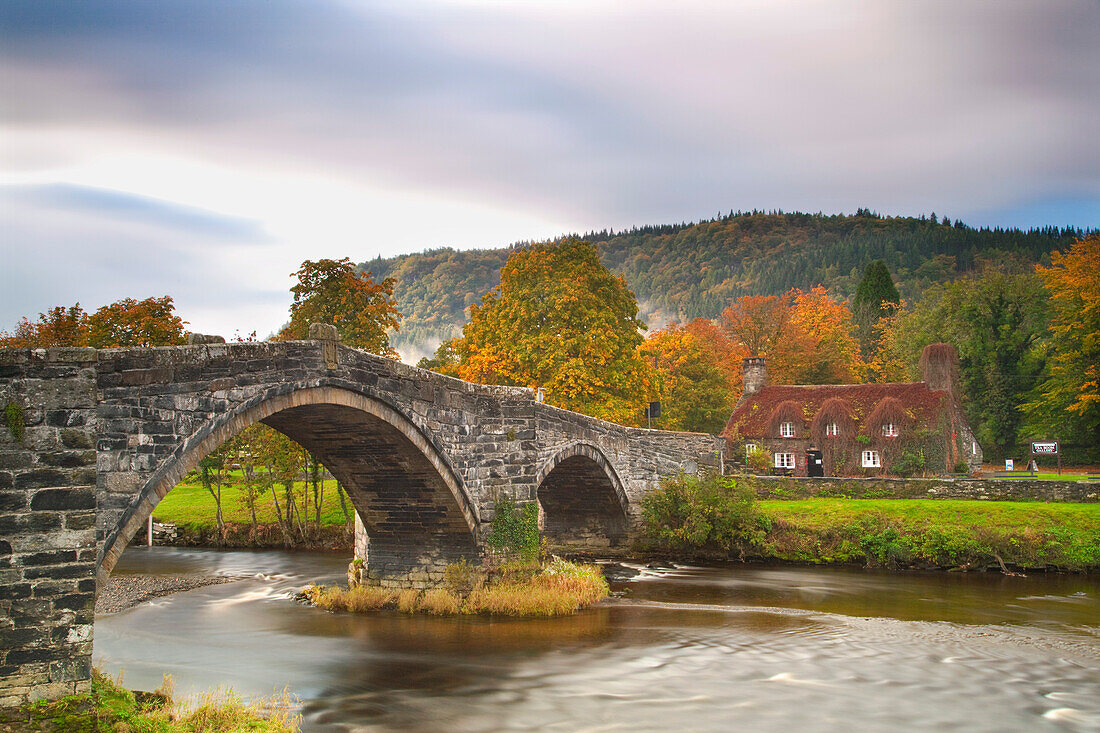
column 941, row 533
column 111, row 707
column 191, row 506
column 716, row 517
column 557, row 588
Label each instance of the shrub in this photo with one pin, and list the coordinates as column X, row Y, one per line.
column 697, row 511
column 910, row 463
column 461, row 577
column 759, row 460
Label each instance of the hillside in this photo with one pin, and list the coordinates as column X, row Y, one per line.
column 682, row 271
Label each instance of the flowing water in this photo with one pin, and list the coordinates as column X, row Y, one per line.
column 685, row 648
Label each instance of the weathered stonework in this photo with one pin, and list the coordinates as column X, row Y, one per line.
column 424, row 459
column 1014, row 489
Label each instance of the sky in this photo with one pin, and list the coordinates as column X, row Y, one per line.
column 204, row 149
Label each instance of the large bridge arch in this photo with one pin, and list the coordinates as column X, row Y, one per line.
column 582, row 500
column 414, row 505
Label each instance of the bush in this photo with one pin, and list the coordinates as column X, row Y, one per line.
column 910, row 463
column 759, row 460
column 689, row 511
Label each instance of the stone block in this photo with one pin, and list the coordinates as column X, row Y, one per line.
column 63, row 499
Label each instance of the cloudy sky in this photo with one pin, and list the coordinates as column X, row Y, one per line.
column 204, row 149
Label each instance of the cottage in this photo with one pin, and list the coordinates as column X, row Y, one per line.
column 897, row 428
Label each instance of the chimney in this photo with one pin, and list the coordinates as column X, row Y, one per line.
column 754, row 375
column 939, row 365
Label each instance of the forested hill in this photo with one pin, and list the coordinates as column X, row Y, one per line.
column 681, row 271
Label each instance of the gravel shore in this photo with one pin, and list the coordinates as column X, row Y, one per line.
column 129, row 590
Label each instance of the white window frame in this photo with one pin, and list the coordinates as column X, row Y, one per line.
column 832, row 430
column 783, row 460
column 751, row 448
column 890, row 430
column 786, row 430
column 871, row 459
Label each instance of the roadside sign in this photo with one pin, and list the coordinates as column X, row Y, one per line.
column 1008, row 464
column 1047, row 448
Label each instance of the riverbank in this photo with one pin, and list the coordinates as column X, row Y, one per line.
column 127, row 591
column 719, row 518
column 111, row 707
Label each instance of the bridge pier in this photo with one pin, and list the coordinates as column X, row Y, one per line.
column 407, row 562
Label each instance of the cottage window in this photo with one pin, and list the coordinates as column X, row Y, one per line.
column 786, row 430
column 784, row 460
column 871, row 459
column 890, row 430
column 750, row 448
column 832, row 429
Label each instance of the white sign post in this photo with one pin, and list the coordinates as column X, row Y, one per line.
column 1008, row 464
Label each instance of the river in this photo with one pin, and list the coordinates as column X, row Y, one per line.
column 684, row 648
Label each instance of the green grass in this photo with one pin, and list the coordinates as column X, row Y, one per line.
column 191, row 506
column 947, row 533
column 111, row 707
column 1043, row 476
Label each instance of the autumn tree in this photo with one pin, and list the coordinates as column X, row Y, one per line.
column 894, row 356
column 58, row 326
column 129, row 322
column 806, row 336
column 727, row 353
column 332, row 291
column 561, row 321
column 824, row 327
column 693, row 390
column 1067, row 401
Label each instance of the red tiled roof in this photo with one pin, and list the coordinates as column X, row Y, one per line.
column 751, row 418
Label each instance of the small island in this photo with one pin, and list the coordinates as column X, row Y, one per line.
column 520, row 588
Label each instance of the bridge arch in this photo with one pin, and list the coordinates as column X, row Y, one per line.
column 581, row 498
column 411, row 500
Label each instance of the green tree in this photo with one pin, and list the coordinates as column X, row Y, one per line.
column 332, row 291
column 995, row 321
column 561, row 321
column 874, row 296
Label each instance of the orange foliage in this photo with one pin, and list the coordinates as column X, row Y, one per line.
column 806, row 336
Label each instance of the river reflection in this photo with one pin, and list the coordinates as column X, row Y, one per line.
column 683, row 648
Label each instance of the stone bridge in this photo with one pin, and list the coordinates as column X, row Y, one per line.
column 95, row 438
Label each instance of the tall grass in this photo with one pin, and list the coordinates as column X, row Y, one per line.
column 558, row 588
column 111, row 707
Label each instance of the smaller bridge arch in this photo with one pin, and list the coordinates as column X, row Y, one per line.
column 424, row 500
column 582, row 500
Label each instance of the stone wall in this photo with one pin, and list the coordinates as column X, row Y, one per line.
column 47, row 523
column 777, row 487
